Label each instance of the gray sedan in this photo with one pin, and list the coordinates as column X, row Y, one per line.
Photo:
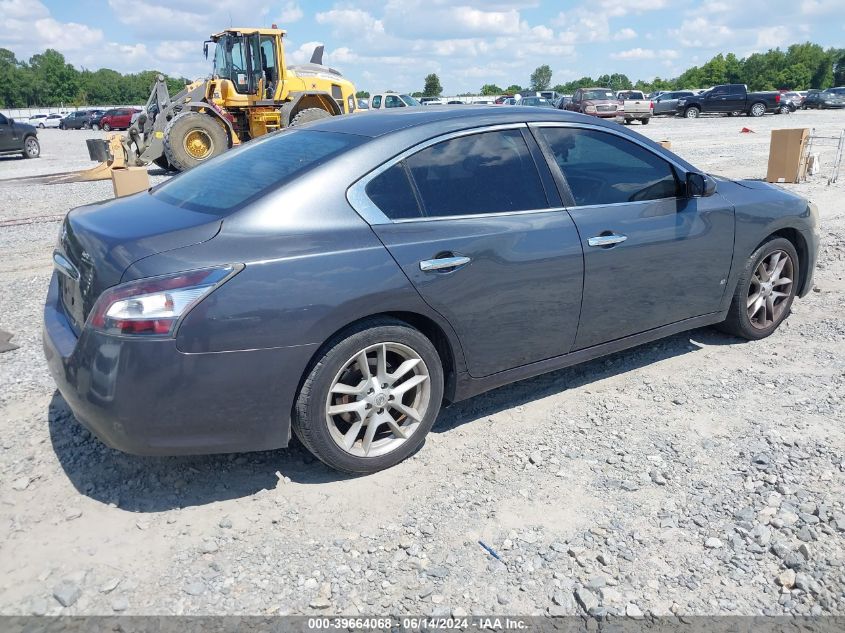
column 342, row 280
column 667, row 102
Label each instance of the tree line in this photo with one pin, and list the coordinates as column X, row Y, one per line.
column 46, row 79
column 799, row 67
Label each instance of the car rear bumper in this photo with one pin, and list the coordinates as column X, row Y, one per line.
column 147, row 398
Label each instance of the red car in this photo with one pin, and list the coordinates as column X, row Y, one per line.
column 117, row 119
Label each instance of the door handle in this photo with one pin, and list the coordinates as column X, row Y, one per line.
column 441, row 263
column 607, row 240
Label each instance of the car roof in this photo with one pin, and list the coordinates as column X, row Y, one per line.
column 375, row 124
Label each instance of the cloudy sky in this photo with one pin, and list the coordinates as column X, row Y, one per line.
column 393, row 44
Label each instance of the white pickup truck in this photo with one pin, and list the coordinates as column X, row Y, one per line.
column 633, row 106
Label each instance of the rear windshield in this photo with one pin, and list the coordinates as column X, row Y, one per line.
column 242, row 175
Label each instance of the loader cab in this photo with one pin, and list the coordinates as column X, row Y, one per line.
column 251, row 60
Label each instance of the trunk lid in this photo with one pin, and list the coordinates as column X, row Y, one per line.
column 102, row 240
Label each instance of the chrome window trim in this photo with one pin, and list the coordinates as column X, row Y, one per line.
column 357, row 196
column 589, row 126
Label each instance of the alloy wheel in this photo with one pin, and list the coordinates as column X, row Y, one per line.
column 198, row 144
column 758, row 109
column 378, row 399
column 770, row 289
column 31, row 147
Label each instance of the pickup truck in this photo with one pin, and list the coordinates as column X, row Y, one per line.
column 730, row 99
column 633, row 106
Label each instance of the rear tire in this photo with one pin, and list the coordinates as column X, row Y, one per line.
column 757, row 110
column 692, row 112
column 106, row 127
column 337, row 380
column 645, row 121
column 192, row 138
column 307, row 115
column 739, row 322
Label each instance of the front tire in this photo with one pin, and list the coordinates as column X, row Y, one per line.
column 192, row 138
column 765, row 290
column 106, row 127
column 31, row 147
column 371, row 397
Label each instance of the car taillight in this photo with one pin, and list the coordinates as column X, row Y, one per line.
column 777, row 98
column 154, row 306
column 651, row 105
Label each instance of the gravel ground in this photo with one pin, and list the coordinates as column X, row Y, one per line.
column 696, row 475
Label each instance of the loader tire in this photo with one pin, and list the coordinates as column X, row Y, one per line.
column 192, row 138
column 307, row 115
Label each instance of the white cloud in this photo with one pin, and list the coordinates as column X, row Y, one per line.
column 645, row 53
column 291, row 12
column 625, row 34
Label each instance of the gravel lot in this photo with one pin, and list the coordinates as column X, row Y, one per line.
column 696, row 475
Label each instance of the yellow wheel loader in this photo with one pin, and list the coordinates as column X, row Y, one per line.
column 251, row 92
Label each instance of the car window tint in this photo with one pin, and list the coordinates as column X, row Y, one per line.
column 241, row 175
column 376, row 102
column 489, row 172
column 391, row 191
column 603, row 168
column 3, row 120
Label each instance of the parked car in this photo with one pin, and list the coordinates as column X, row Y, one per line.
column 51, row 121
column 220, row 324
column 363, row 104
column 667, row 102
column 824, row 99
column 599, row 102
column 793, row 98
column 81, row 119
column 431, row 101
column 731, row 99
column 509, row 101
column 37, row 120
column 117, row 119
column 18, row 138
column 561, row 101
column 501, row 99
column 633, row 106
column 455, row 102
column 537, row 102
column 392, row 100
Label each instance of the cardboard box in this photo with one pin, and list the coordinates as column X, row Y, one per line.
column 787, row 155
column 129, row 180
column 665, row 144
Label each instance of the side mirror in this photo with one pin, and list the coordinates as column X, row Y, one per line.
column 700, row 185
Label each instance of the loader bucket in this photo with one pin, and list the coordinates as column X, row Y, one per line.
column 109, row 152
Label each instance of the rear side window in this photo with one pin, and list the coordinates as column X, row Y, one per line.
column 242, row 175
column 377, row 101
column 392, row 192
column 603, row 168
column 490, row 172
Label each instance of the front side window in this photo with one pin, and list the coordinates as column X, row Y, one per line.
column 3, row 120
column 489, row 172
column 603, row 168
